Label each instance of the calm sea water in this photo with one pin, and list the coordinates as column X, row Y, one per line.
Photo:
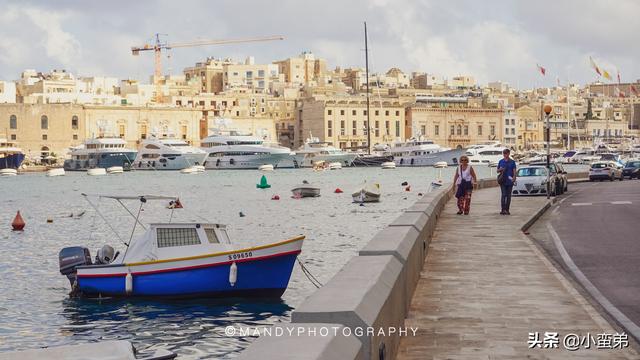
column 36, row 310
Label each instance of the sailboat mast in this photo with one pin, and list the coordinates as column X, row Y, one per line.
column 366, row 62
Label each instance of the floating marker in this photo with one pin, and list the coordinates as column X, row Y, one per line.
column 404, row 183
column 263, row 183
column 49, row 220
column 241, row 214
column 338, row 191
column 419, row 194
column 408, row 188
column 275, row 197
column 18, row 222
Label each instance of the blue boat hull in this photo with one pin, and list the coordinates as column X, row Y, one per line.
column 259, row 278
column 12, row 161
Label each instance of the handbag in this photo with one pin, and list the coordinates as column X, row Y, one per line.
column 501, row 176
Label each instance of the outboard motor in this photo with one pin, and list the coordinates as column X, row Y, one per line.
column 72, row 257
column 105, row 255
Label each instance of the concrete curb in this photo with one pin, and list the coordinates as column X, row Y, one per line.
column 538, row 214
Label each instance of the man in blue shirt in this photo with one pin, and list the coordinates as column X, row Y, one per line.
column 506, row 167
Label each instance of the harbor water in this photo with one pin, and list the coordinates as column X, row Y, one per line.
column 35, row 307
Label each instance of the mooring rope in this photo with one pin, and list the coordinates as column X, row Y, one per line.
column 309, row 275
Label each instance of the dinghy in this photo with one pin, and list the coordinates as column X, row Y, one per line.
column 305, row 190
column 367, row 193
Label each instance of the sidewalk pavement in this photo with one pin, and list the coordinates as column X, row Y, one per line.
column 485, row 287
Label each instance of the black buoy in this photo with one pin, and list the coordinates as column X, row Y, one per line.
column 305, row 182
column 404, row 183
column 241, row 214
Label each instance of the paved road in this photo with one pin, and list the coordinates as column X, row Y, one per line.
column 599, row 226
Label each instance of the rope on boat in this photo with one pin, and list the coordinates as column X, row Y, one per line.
column 309, row 275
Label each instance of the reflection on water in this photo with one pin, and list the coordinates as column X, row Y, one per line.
column 35, row 308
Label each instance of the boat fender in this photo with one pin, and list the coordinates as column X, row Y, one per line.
column 338, row 191
column 233, row 274
column 408, row 188
column 275, row 197
column 128, row 283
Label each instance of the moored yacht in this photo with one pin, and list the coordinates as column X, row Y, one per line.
column 11, row 156
column 314, row 151
column 232, row 150
column 416, row 152
column 167, row 154
column 103, row 152
column 488, row 153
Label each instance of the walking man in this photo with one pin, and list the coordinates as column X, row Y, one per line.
column 506, row 179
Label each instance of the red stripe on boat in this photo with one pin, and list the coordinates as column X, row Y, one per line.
column 190, row 267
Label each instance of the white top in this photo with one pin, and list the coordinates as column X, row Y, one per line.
column 464, row 174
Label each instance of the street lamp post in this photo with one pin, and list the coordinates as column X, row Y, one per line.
column 547, row 111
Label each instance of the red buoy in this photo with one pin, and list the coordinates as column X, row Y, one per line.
column 408, row 188
column 18, row 223
column 275, row 197
column 338, row 191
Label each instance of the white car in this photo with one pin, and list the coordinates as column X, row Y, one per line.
column 532, row 180
column 605, row 170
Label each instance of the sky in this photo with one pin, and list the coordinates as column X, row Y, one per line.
column 492, row 40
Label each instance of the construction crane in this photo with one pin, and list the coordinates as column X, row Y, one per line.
column 160, row 45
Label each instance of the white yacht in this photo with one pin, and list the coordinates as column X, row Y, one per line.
column 488, row 153
column 103, row 152
column 418, row 152
column 314, row 151
column 233, row 150
column 167, row 154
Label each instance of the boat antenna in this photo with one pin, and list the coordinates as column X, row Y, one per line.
column 103, row 218
column 366, row 62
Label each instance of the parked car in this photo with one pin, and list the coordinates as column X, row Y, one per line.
column 605, row 170
column 558, row 173
column 632, row 169
column 532, row 180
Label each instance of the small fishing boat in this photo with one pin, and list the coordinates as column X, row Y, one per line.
column 55, row 172
column 195, row 169
column 440, row 165
column 180, row 260
column 367, row 193
column 388, row 165
column 97, row 171
column 335, row 166
column 305, row 190
column 266, row 167
column 199, row 168
column 115, row 170
column 8, row 172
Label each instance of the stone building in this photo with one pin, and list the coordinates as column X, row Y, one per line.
column 304, row 69
column 530, row 128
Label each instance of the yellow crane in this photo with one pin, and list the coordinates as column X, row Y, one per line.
column 159, row 45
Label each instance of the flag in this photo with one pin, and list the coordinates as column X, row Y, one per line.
column 175, row 204
column 542, row 70
column 594, row 66
column 618, row 71
column 620, row 93
column 634, row 90
column 606, row 75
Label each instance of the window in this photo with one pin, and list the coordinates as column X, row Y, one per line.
column 466, row 130
column 423, row 129
column 341, row 112
column 44, row 122
column 177, row 237
column 75, row 137
column 506, row 121
column 513, row 121
column 479, row 130
column 121, row 128
column 453, row 130
column 329, row 112
column 143, row 131
column 493, row 130
column 329, row 128
column 377, row 124
column 211, row 236
column 397, row 128
column 397, row 113
column 364, row 112
column 44, row 136
column 260, row 73
column 513, row 131
column 183, row 130
column 354, row 129
column 459, row 130
column 377, row 113
column 353, row 112
column 13, row 136
column 13, row 122
column 342, row 130
column 386, row 113
column 74, row 122
column 436, row 130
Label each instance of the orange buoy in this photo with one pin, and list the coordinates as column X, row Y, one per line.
column 18, row 222
column 408, row 188
column 338, row 191
column 275, row 197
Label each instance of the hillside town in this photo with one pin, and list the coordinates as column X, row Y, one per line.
column 290, row 100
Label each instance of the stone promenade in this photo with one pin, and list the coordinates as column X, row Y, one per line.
column 485, row 287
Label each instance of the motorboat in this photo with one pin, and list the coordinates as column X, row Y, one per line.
column 115, row 170
column 55, row 172
column 420, row 152
column 314, row 151
column 102, row 152
column 335, row 166
column 8, row 172
column 266, row 167
column 234, row 150
column 474, row 149
column 485, row 154
column 440, row 165
column 179, row 260
column 367, row 192
column 191, row 170
column 11, row 156
column 96, row 171
column 167, row 154
column 305, row 190
column 388, row 165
